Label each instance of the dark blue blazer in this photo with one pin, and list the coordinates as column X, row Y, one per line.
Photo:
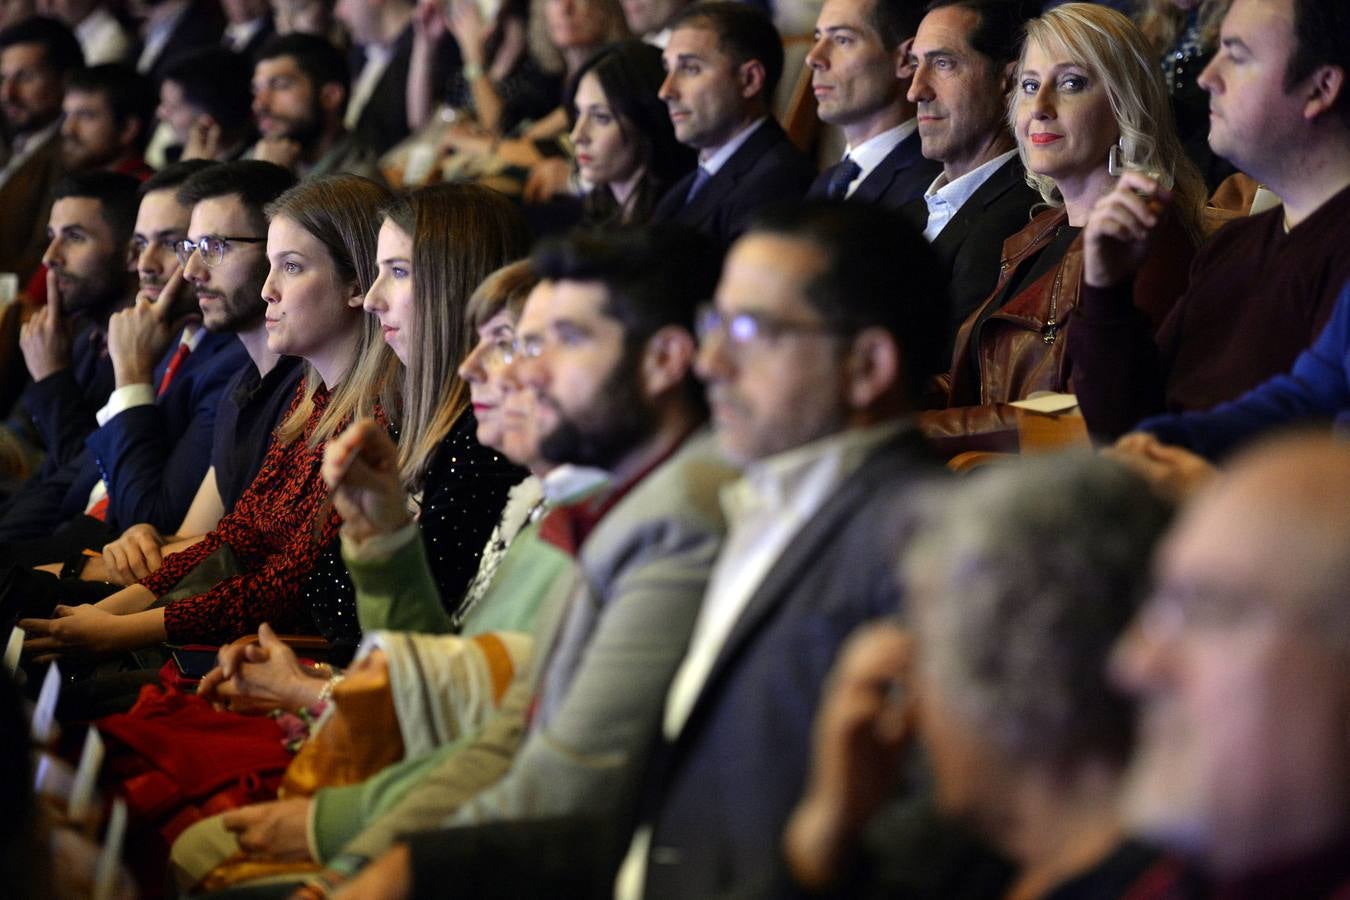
column 153, row 457
column 719, row 795
column 765, row 169
column 62, row 405
column 904, row 174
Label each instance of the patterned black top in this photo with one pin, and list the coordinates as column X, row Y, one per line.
column 466, row 488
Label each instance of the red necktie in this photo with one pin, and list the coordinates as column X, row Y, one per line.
column 174, row 363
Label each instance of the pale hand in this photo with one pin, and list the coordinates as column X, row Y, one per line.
column 360, row 466
column 134, row 555
column 276, row 830
column 44, row 339
column 73, row 631
column 865, row 722
column 1174, row 472
column 261, row 676
column 466, row 24
column 203, row 139
column 548, row 178
column 139, row 334
column 1116, row 238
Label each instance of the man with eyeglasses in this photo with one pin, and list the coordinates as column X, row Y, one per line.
column 1239, row 663
column 807, row 358
column 147, row 461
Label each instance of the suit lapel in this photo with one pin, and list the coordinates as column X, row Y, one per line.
column 804, row 550
column 1004, row 179
column 902, row 156
column 706, row 201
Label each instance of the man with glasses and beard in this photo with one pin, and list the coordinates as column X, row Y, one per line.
column 301, row 85
column 146, row 460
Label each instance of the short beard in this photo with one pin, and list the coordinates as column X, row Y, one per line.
column 618, row 419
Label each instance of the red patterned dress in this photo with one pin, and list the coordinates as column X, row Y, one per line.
column 275, row 540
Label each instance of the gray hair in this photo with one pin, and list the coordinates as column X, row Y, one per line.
column 1025, row 576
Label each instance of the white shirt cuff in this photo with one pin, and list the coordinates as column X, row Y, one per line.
column 125, row 398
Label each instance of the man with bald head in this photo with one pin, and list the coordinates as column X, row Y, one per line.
column 1241, row 661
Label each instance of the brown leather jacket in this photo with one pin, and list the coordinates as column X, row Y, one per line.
column 1022, row 347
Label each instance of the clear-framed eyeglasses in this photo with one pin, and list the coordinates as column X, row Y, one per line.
column 212, row 247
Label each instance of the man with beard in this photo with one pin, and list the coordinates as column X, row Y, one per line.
column 109, row 114
column 224, row 199
column 36, row 58
column 605, row 346
column 64, row 344
column 149, row 454
column 300, row 90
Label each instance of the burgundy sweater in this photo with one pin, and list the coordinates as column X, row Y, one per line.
column 1257, row 298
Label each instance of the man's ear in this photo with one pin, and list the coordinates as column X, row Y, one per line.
column 873, row 369
column 751, row 75
column 1009, row 78
column 129, row 132
column 333, row 98
column 1325, row 86
column 904, row 60
column 667, row 360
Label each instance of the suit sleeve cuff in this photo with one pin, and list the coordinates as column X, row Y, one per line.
column 125, row 398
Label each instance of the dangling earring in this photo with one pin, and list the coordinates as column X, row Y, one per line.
column 1115, row 160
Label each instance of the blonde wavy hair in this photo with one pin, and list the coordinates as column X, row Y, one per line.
column 1113, row 49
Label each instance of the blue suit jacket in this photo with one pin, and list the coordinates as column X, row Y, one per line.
column 719, row 795
column 153, row 457
column 765, row 169
column 904, row 174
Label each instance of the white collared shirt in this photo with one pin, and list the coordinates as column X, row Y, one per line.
column 238, row 34
column 160, row 31
column 945, row 198
column 102, row 38
column 869, row 154
column 711, row 160
column 25, row 146
column 765, row 510
column 378, row 57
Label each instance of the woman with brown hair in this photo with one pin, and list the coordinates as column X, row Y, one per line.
column 252, row 567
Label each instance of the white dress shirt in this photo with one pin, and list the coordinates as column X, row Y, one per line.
column 765, row 510
column 869, row 154
column 378, row 57
column 945, row 197
column 713, row 159
column 102, row 38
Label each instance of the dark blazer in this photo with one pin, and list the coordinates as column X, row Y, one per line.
column 63, row 405
column 766, row 168
column 971, row 245
column 719, row 795
column 153, row 457
column 201, row 26
column 904, row 174
column 384, row 120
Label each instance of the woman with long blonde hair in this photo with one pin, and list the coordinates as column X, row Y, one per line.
column 1088, row 104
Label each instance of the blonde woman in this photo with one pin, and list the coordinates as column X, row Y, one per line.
column 1088, row 104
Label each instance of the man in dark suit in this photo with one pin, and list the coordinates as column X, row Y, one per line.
column 170, row 28
column 382, row 32
column 64, row 343
column 147, row 457
column 723, row 62
column 36, row 57
column 808, row 355
column 860, row 70
column 965, row 54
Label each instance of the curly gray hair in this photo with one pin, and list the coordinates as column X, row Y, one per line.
column 1024, row 577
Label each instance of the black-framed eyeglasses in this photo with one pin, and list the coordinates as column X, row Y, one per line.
column 211, row 246
column 743, row 329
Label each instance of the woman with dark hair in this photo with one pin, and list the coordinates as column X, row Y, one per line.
column 625, row 145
